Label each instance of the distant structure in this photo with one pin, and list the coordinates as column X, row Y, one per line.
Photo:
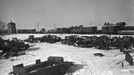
column 90, row 30
column 110, row 28
column 52, row 31
column 75, row 30
column 26, row 30
column 11, row 28
column 127, row 30
column 43, row 30
column 3, row 32
column 38, row 28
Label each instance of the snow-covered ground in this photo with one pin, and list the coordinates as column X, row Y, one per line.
column 86, row 62
column 24, row 36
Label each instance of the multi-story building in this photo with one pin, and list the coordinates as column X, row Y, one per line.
column 112, row 29
column 11, row 28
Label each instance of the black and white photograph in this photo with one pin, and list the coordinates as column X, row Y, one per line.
column 66, row 37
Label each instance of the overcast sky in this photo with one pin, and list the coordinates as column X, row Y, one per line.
column 65, row 13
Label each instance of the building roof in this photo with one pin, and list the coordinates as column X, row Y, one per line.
column 11, row 23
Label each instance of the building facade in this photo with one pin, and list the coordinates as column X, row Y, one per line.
column 111, row 29
column 27, row 31
column 90, row 30
column 11, row 28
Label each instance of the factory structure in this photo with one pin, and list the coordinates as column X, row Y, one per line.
column 118, row 28
column 107, row 28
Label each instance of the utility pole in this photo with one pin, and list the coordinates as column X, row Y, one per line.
column 90, row 23
column 54, row 26
column 37, row 26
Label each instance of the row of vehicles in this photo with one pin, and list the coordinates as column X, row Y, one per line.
column 46, row 38
column 14, row 46
column 100, row 42
column 103, row 42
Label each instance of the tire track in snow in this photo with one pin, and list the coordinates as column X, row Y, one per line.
column 89, row 68
column 91, row 65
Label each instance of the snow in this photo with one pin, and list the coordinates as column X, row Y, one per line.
column 85, row 61
column 24, row 36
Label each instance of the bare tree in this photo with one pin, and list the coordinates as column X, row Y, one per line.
column 2, row 25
